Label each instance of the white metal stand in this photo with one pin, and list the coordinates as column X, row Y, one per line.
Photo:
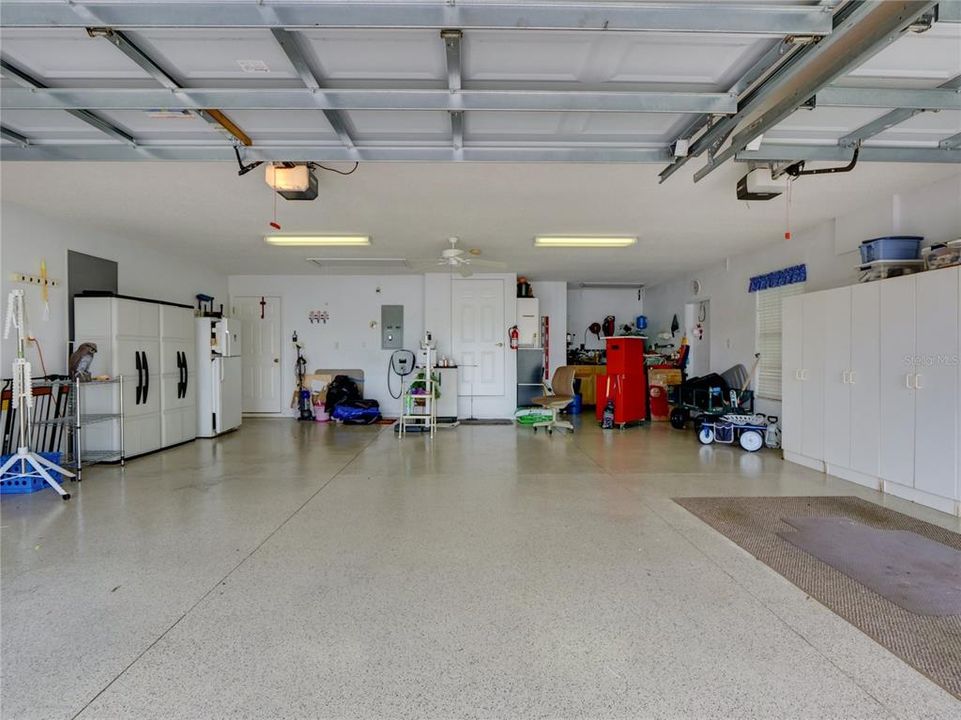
column 411, row 401
column 31, row 464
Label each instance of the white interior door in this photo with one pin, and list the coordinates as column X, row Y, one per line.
column 479, row 333
column 260, row 327
column 791, row 344
column 897, row 305
column 936, row 383
column 837, row 369
column 864, row 378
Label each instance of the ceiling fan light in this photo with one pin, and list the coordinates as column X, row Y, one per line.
column 318, row 240
column 585, row 241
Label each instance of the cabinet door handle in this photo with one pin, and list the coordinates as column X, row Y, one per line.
column 186, row 375
column 917, row 382
column 136, row 356
column 851, row 375
column 907, row 381
column 146, row 376
column 180, row 375
column 797, row 374
column 844, row 377
column 804, row 375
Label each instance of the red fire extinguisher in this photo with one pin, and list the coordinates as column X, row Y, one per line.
column 514, row 337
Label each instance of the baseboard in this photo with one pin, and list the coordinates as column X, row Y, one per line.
column 868, row 481
column 945, row 505
column 805, row 461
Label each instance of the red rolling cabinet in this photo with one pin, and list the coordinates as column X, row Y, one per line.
column 625, row 381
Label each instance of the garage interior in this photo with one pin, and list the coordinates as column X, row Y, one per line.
column 475, row 359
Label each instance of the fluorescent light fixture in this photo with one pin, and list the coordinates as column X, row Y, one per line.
column 318, row 240
column 597, row 241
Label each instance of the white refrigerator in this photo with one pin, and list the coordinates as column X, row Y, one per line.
column 218, row 376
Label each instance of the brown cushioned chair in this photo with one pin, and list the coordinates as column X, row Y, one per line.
column 561, row 394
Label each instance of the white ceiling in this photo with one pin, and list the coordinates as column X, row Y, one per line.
column 544, row 60
column 207, row 213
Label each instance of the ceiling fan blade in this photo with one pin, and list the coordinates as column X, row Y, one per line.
column 425, row 264
column 487, row 263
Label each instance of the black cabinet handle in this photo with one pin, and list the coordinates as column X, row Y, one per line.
column 146, row 375
column 182, row 364
column 139, row 376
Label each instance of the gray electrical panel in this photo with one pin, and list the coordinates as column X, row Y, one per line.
column 392, row 327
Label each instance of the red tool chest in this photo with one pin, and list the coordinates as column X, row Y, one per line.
column 625, row 381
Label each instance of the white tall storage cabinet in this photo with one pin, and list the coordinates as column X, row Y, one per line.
column 144, row 340
column 875, row 371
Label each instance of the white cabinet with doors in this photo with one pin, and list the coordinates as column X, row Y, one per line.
column 151, row 344
column 802, row 379
column 888, row 397
column 178, row 393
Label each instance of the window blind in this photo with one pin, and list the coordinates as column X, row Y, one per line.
column 768, row 341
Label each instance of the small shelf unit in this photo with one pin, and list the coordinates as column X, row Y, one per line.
column 75, row 420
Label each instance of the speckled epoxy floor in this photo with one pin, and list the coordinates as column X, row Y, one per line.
column 300, row 571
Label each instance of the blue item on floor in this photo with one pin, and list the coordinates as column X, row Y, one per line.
column 893, row 247
column 13, row 482
column 576, row 406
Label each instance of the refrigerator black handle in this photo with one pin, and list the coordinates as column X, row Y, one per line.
column 186, row 374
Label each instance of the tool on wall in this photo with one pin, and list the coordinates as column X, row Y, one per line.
column 514, row 335
column 304, row 408
column 263, row 305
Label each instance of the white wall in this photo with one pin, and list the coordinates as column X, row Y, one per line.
column 347, row 340
column 27, row 236
column 587, row 305
column 830, row 252
column 552, row 297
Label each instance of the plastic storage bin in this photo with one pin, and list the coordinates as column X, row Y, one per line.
column 13, row 483
column 943, row 255
column 894, row 247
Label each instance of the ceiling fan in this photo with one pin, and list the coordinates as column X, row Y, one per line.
column 455, row 260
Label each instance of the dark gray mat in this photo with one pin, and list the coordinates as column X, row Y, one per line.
column 920, row 575
column 486, row 421
column 929, row 643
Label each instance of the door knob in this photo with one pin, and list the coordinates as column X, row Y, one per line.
column 500, row 344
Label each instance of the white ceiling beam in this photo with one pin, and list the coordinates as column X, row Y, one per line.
column 701, row 17
column 290, row 44
column 13, row 136
column 366, row 99
column 209, row 114
column 889, row 120
column 951, row 143
column 32, row 84
column 861, row 31
column 452, row 52
column 909, row 99
column 53, row 150
column 785, row 152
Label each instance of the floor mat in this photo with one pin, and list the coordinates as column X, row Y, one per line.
column 777, row 531
column 486, row 421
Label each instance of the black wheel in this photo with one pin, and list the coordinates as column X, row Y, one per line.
column 679, row 418
column 67, row 496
